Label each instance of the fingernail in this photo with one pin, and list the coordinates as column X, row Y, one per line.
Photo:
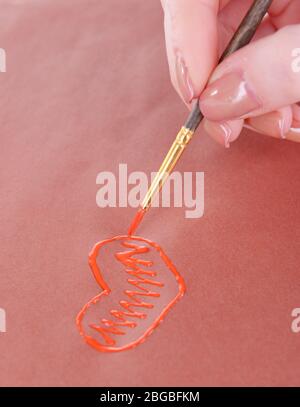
column 283, row 129
column 272, row 124
column 294, row 132
column 228, row 97
column 296, row 111
column 185, row 86
column 221, row 132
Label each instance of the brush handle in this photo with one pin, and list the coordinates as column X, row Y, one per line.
column 242, row 37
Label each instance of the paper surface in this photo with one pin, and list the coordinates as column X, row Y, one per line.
column 87, row 88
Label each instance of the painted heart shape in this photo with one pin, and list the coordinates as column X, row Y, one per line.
column 143, row 286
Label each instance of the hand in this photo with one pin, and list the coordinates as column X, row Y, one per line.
column 257, row 87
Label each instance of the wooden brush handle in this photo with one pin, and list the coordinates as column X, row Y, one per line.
column 242, row 37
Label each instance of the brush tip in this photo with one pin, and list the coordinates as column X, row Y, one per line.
column 136, row 221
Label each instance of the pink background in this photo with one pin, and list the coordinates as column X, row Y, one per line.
column 87, row 88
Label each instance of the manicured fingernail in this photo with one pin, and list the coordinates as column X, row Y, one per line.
column 221, row 132
column 294, row 133
column 296, row 111
column 295, row 130
column 228, row 97
column 185, row 86
column 272, row 124
column 283, row 129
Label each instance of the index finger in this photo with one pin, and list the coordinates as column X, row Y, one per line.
column 192, row 43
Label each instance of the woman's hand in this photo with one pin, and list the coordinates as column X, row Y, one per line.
column 257, row 87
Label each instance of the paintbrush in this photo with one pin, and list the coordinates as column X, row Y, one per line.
column 242, row 37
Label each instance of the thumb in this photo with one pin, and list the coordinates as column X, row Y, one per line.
column 261, row 77
column 188, row 25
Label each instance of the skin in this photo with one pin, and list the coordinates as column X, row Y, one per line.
column 269, row 65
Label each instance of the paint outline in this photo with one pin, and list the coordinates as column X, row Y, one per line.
column 107, row 290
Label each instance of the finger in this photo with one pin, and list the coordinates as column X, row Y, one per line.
column 294, row 132
column 191, row 57
column 229, row 19
column 259, row 78
column 296, row 111
column 223, row 133
column 275, row 124
column 284, row 12
column 223, row 3
column 292, row 135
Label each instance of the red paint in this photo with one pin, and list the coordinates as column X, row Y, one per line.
column 136, row 221
column 121, row 317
